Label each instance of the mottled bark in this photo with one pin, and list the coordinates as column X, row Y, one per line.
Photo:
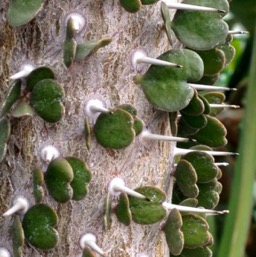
column 108, row 75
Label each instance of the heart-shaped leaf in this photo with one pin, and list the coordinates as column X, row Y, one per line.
column 214, row 61
column 12, row 95
column 197, row 252
column 213, row 134
column 149, row 210
column 38, row 224
column 195, row 230
column 196, row 122
column 204, row 166
column 207, row 108
column 38, row 182
column 86, row 49
column 209, row 194
column 122, row 210
column 58, row 177
column 185, row 129
column 17, row 237
column 166, row 87
column 46, row 100
column 114, row 129
column 5, row 128
column 22, row 11
column 201, row 30
column 195, row 106
column 82, row 176
column 37, row 75
column 173, row 234
column 186, row 179
column 229, row 52
column 22, row 109
column 214, row 98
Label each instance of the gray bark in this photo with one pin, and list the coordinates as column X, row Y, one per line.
column 107, row 75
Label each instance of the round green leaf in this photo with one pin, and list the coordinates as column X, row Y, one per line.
column 46, row 100
column 114, row 129
column 196, row 122
column 207, row 108
column 58, row 177
column 38, row 224
column 192, row 202
column 22, row 11
column 213, row 134
column 229, row 52
column 37, row 75
column 122, row 210
column 82, row 176
column 209, row 80
column 149, row 210
column 12, row 95
column 195, row 230
column 131, row 6
column 204, row 166
column 214, row 61
column 201, row 30
column 186, row 179
column 174, row 236
column 214, row 98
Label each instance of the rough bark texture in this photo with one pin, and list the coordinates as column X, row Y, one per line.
column 107, row 75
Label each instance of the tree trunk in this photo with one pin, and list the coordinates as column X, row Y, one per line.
column 107, row 75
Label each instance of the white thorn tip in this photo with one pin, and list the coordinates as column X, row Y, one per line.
column 95, row 106
column 49, row 153
column 117, row 186
column 78, row 21
column 182, row 208
column 24, row 72
column 181, row 151
column 237, row 32
column 4, row 252
column 221, row 163
column 19, row 205
column 89, row 240
column 147, row 135
column 139, row 56
column 224, row 106
column 210, row 87
column 190, row 7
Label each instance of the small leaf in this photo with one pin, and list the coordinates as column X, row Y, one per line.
column 131, row 6
column 201, row 30
column 186, row 179
column 122, row 210
column 82, row 176
column 87, row 133
column 13, row 94
column 114, row 129
column 69, row 51
column 22, row 11
column 146, row 2
column 87, row 252
column 58, row 177
column 229, row 52
column 196, row 122
column 214, row 61
column 107, row 213
column 88, row 48
column 5, row 128
column 195, row 230
column 17, row 237
column 191, row 202
column 214, row 98
column 46, row 100
column 204, row 166
column 213, row 134
column 22, row 109
column 38, row 182
column 38, row 224
column 150, row 210
column 173, row 234
column 37, row 75
column 209, row 80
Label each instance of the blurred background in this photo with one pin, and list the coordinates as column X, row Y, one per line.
column 239, row 187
